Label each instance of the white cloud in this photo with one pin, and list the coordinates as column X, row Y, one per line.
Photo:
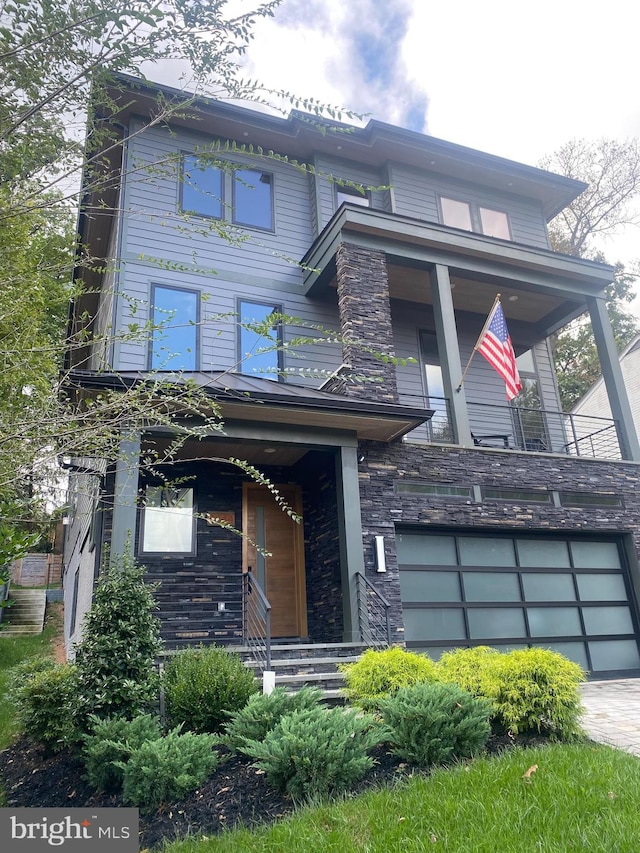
column 346, row 54
column 513, row 79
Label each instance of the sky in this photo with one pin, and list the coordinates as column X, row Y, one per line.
column 512, row 79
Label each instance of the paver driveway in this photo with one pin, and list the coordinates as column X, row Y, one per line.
column 612, row 712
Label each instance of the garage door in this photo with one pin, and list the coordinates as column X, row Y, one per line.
column 570, row 595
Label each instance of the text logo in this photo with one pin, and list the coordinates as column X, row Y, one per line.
column 35, row 830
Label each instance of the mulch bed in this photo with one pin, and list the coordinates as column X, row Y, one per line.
column 235, row 794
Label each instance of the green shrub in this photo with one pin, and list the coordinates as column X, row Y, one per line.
column 168, row 768
column 202, row 686
column 467, row 667
column 536, row 690
column 46, row 705
column 110, row 745
column 27, row 668
column 117, row 676
column 317, row 752
column 435, row 723
column 379, row 673
column 264, row 711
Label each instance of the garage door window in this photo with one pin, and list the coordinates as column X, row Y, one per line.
column 565, row 594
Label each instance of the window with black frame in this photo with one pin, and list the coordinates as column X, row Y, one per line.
column 175, row 314
column 439, row 428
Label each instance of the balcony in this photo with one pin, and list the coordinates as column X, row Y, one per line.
column 517, row 428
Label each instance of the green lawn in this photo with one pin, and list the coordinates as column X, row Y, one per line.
column 581, row 798
column 12, row 651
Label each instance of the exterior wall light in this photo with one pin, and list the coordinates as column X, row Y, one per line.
column 381, row 563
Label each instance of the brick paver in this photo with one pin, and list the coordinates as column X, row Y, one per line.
column 612, row 712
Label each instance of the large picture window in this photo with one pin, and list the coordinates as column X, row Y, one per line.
column 260, row 339
column 175, row 316
column 167, row 521
column 201, row 187
column 253, row 198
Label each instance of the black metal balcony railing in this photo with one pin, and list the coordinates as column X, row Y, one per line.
column 517, row 428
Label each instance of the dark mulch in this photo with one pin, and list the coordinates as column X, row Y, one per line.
column 236, row 793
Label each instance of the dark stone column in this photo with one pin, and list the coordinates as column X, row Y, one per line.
column 365, row 322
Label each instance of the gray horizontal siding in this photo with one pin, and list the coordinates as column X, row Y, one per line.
column 484, row 388
column 416, row 194
column 217, row 330
column 102, row 327
column 329, row 169
column 156, row 228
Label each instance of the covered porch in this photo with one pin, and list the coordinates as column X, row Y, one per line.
column 426, row 290
column 245, row 559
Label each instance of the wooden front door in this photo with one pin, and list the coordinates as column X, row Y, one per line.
column 281, row 575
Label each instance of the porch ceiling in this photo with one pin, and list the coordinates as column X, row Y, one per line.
column 256, row 453
column 476, row 296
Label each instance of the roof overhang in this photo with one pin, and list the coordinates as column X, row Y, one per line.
column 301, row 135
column 262, row 401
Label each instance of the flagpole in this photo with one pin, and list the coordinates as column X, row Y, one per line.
column 496, row 302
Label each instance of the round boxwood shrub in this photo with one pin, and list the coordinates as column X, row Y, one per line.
column 264, row 711
column 435, row 723
column 380, row 673
column 204, row 685
column 46, row 705
column 316, row 753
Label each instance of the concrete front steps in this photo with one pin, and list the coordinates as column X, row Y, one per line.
column 299, row 664
column 25, row 615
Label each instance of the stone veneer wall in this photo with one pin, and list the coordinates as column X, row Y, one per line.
column 322, row 548
column 192, row 585
column 383, row 508
column 365, row 318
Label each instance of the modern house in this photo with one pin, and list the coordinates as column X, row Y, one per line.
column 433, row 514
column 596, row 401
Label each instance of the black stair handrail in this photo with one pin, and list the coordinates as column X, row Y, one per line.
column 373, row 613
column 256, row 619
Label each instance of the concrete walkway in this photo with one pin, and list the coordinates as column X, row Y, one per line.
column 612, row 712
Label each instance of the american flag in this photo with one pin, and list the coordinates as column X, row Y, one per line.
column 495, row 345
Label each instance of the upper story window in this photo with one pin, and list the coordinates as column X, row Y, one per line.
column 352, row 195
column 201, row 187
column 253, row 198
column 167, row 521
column 260, row 339
column 174, row 340
column 205, row 186
column 475, row 217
